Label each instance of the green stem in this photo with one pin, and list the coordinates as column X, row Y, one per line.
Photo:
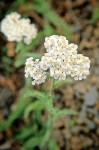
column 51, row 99
column 50, row 117
column 47, row 133
column 51, row 86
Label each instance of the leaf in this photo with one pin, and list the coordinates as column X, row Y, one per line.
column 24, row 50
column 48, row 30
column 58, row 83
column 64, row 112
column 22, row 103
column 37, row 105
column 26, row 132
column 32, row 142
column 52, row 145
column 18, row 111
column 56, row 20
column 42, row 6
column 95, row 15
column 20, row 59
column 33, row 93
column 19, row 46
column 48, row 131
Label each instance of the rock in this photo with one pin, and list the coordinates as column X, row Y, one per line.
column 91, row 97
column 91, row 125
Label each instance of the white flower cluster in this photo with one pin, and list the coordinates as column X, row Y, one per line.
column 17, row 29
column 33, row 70
column 60, row 60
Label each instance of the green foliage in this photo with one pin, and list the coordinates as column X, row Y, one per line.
column 31, row 103
column 48, row 30
column 36, row 105
column 62, row 27
column 7, row 64
column 17, row 3
column 26, row 132
column 21, row 105
column 52, row 145
column 43, row 7
column 33, row 142
column 23, row 51
column 21, row 57
column 95, row 15
column 58, row 83
column 59, row 113
column 6, row 61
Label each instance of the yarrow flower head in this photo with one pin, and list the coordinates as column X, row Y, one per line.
column 60, row 60
column 17, row 29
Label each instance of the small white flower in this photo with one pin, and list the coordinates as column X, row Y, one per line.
column 17, row 29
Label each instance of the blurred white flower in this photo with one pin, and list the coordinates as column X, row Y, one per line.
column 17, row 29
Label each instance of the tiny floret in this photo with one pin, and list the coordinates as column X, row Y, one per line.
column 17, row 29
column 60, row 60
